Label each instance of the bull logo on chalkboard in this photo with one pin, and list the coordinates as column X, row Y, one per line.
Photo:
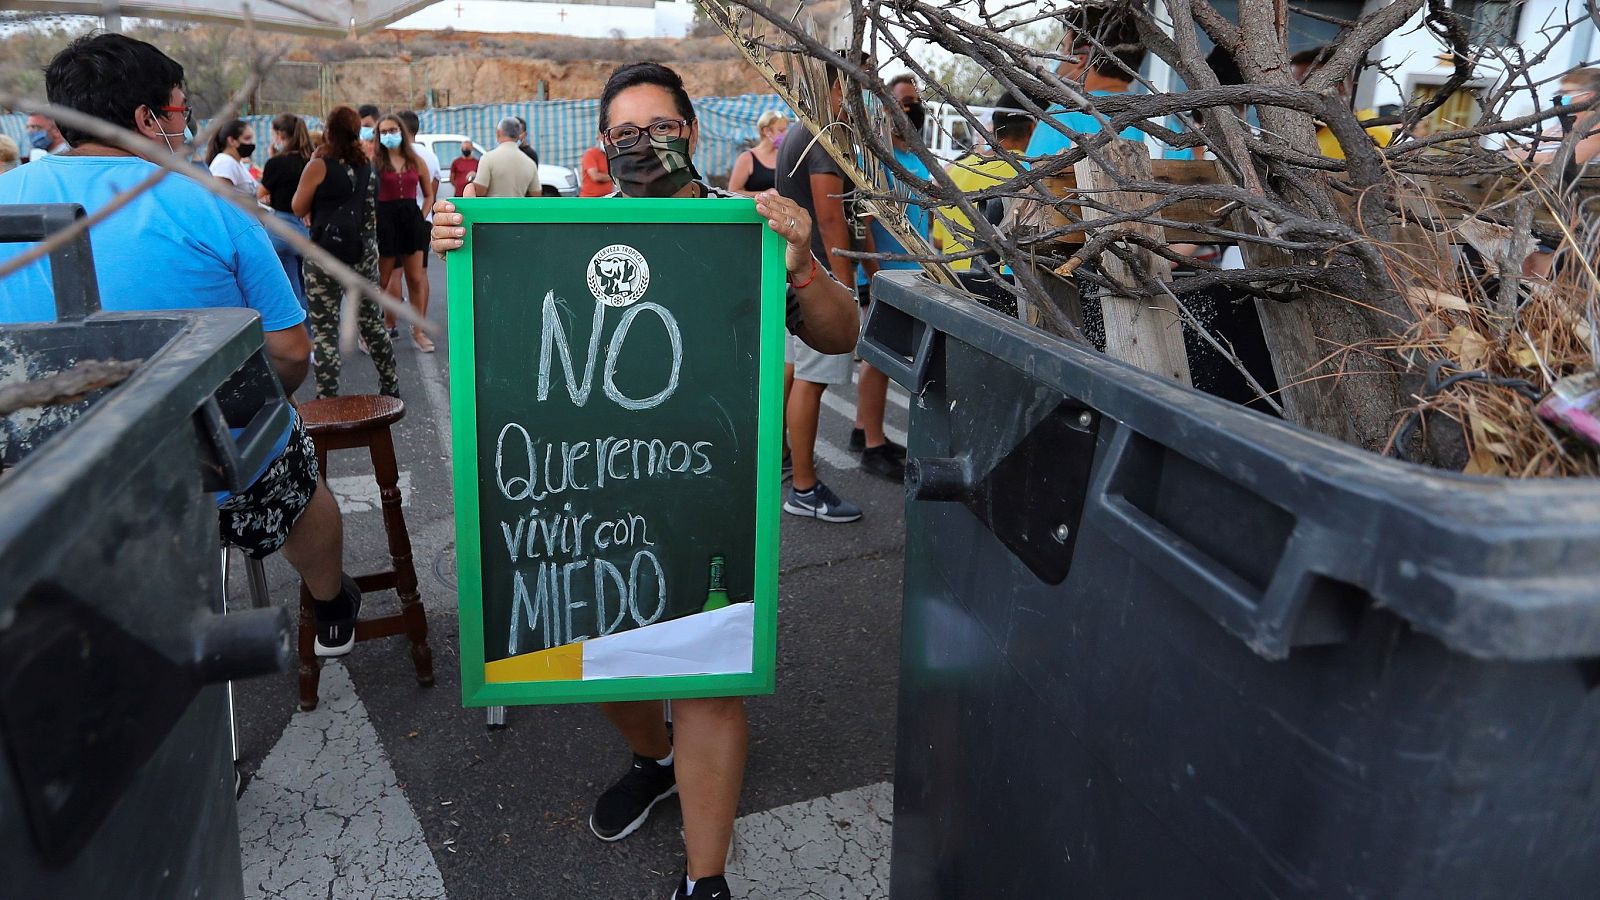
column 618, row 275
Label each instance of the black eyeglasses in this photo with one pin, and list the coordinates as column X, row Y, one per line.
column 624, row 136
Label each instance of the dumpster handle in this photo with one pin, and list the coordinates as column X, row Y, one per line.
column 234, row 462
column 71, row 266
column 899, row 345
column 1225, row 594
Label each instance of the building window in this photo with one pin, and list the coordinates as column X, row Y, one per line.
column 1490, row 23
column 1461, row 110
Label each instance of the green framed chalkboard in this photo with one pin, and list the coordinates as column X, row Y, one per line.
column 616, row 378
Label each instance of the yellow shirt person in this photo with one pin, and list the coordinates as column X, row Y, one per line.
column 1328, row 145
column 970, row 173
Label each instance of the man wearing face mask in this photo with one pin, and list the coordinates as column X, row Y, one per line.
column 178, row 246
column 44, row 138
column 879, row 455
column 369, row 113
column 505, row 171
column 462, row 169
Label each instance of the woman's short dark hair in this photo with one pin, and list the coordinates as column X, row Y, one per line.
column 219, row 141
column 109, row 76
column 341, row 137
column 635, row 74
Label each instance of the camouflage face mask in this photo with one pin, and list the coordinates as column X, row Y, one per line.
column 651, row 168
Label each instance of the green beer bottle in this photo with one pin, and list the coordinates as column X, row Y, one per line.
column 717, row 594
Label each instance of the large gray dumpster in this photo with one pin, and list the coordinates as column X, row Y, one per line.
column 116, row 775
column 1160, row 646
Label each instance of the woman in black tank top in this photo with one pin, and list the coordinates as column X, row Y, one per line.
column 755, row 169
column 338, row 175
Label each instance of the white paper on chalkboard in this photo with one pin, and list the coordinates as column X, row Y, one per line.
column 720, row 642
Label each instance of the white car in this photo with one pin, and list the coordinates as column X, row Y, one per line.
column 948, row 134
column 556, row 181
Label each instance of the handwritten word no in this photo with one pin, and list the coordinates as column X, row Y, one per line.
column 554, row 338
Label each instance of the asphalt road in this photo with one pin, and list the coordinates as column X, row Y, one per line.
column 502, row 813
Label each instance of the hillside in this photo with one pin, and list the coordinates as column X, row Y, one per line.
column 398, row 69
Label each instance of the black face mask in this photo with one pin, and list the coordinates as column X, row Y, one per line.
column 246, row 150
column 651, row 168
column 466, row 154
column 918, row 114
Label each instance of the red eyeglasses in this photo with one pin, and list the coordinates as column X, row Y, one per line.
column 188, row 112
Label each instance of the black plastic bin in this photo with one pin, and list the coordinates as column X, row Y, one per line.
column 1160, row 646
column 116, row 774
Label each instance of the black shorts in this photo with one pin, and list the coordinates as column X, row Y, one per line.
column 401, row 228
column 258, row 519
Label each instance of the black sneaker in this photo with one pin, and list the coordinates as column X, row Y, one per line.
column 335, row 621
column 820, row 503
column 625, row 805
column 858, row 443
column 882, row 462
column 711, row 887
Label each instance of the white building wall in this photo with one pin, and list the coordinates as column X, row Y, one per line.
column 1416, row 52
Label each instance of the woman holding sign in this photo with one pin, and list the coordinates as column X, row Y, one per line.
column 649, row 131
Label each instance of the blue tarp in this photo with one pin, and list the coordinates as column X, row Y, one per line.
column 560, row 130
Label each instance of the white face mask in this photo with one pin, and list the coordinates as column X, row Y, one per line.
column 184, row 138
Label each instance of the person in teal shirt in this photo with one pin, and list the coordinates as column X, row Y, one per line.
column 1101, row 75
column 882, row 240
column 880, row 455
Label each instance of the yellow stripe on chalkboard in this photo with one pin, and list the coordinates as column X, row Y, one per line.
column 563, row 663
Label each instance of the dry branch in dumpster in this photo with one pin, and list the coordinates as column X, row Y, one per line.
column 1422, row 278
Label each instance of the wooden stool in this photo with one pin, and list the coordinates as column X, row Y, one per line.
column 347, row 423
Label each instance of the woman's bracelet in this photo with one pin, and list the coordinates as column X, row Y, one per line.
column 809, row 278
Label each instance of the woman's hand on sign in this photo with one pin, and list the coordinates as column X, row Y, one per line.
column 790, row 220
column 447, row 232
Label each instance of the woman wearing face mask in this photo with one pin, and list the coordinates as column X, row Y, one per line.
column 291, row 150
column 338, row 183
column 755, row 169
column 649, row 131
column 401, row 174
column 231, row 148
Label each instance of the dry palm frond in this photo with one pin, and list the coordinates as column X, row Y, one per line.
column 803, row 85
column 1494, row 341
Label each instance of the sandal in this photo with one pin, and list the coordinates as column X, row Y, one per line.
column 424, row 343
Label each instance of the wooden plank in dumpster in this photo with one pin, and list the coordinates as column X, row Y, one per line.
column 616, row 372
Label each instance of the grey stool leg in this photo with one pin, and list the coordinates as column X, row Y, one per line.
column 256, row 572
column 233, row 725
column 495, row 717
column 256, row 575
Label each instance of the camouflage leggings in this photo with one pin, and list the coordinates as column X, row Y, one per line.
column 324, row 296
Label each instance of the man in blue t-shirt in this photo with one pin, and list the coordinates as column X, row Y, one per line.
column 177, row 246
column 1101, row 75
